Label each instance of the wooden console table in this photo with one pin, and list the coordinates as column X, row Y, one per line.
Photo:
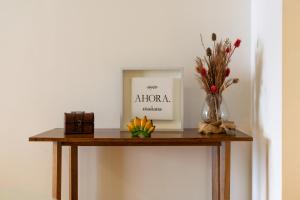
column 114, row 137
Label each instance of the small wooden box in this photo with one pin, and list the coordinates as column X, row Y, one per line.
column 79, row 123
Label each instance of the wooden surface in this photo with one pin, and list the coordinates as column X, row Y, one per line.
column 225, row 154
column 221, row 171
column 115, row 137
column 73, row 183
column 56, row 171
column 215, row 173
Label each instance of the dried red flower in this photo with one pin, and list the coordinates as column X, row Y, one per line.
column 203, row 72
column 214, row 89
column 237, row 43
column 228, row 49
column 227, row 72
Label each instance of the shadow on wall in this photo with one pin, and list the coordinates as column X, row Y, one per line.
column 260, row 143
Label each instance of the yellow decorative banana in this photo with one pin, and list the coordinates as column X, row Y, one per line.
column 143, row 122
column 148, row 125
column 151, row 130
column 137, row 122
column 141, row 127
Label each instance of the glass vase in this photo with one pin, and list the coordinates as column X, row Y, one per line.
column 214, row 109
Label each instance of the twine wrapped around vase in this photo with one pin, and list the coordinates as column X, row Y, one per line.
column 216, row 127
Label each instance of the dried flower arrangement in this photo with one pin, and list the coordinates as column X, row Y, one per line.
column 213, row 72
column 213, row 78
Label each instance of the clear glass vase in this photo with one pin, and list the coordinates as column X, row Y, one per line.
column 214, row 109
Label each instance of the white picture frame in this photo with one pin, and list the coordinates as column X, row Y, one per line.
column 176, row 73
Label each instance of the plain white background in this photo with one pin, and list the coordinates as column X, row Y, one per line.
column 64, row 55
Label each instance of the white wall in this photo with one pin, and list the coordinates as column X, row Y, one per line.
column 267, row 99
column 65, row 55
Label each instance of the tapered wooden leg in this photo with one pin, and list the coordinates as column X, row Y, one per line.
column 225, row 170
column 56, row 171
column 216, row 173
column 221, row 171
column 73, row 173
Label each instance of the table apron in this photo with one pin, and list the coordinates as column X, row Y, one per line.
column 95, row 143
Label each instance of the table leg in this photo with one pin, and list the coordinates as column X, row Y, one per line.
column 225, row 170
column 221, row 171
column 56, row 171
column 73, row 173
column 216, row 173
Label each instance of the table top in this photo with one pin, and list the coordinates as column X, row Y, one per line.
column 115, row 137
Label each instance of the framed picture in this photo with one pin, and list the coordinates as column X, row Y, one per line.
column 153, row 92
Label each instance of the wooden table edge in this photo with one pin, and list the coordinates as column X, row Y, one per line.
column 68, row 140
